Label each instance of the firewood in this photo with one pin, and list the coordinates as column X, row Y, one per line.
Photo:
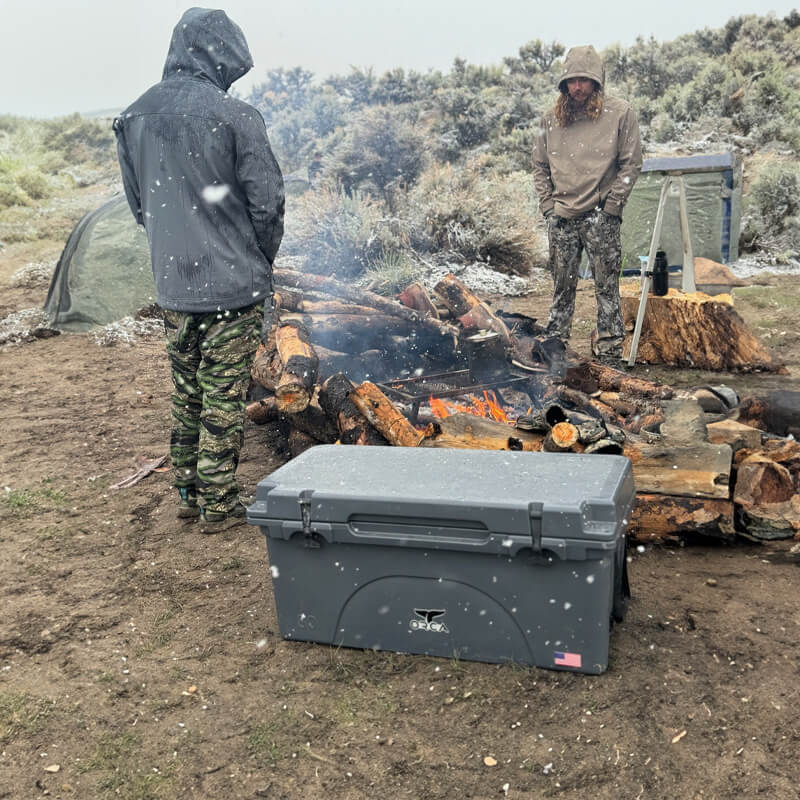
column 470, row 310
column 614, row 380
column 299, row 442
column 263, row 411
column 623, row 407
column 416, row 296
column 355, row 333
column 382, row 413
column 591, row 431
column 560, row 438
column 656, row 517
column 287, row 299
column 735, row 434
column 605, row 447
column 777, row 412
column 572, row 398
column 455, row 295
column 299, row 374
column 761, row 480
column 470, row 432
column 334, row 307
column 702, row 470
column 363, row 297
column 643, row 422
column 682, row 462
column 267, row 366
column 353, row 427
column 694, row 330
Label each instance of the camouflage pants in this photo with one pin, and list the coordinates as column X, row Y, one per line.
column 597, row 233
column 211, row 355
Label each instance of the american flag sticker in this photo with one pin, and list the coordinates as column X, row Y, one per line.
column 567, row 659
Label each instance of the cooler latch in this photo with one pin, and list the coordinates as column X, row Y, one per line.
column 535, row 523
column 311, row 536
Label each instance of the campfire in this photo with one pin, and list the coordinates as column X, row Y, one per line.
column 346, row 365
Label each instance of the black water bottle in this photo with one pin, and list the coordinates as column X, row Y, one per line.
column 660, row 274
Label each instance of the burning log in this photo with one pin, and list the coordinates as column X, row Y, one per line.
column 656, row 517
column 299, row 442
column 573, row 398
column 694, row 330
column 382, row 413
column 416, row 296
column 333, row 307
column 356, row 333
column 470, row 432
column 354, row 428
column 563, row 436
column 299, row 374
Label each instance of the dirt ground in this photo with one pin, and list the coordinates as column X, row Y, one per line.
column 139, row 659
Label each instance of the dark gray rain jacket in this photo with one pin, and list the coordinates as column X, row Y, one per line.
column 199, row 173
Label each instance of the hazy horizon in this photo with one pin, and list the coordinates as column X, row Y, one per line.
column 90, row 56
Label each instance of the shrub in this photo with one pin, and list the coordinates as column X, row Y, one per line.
column 772, row 219
column 379, row 151
column 79, row 139
column 34, row 184
column 341, row 233
column 477, row 216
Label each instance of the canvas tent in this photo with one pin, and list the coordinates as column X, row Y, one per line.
column 713, row 198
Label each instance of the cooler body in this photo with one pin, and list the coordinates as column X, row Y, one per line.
column 469, row 554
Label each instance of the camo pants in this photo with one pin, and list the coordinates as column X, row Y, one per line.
column 211, row 355
column 597, row 233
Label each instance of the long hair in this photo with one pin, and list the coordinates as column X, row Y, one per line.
column 567, row 110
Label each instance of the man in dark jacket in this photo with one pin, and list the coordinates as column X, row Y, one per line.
column 200, row 176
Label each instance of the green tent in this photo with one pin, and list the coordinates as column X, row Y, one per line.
column 104, row 271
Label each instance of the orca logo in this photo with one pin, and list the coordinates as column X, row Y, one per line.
column 427, row 621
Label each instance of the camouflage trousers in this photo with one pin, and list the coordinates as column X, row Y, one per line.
column 597, row 233
column 211, row 355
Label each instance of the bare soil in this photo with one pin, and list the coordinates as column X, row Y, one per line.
column 139, row 659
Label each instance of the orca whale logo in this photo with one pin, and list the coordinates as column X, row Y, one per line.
column 427, row 620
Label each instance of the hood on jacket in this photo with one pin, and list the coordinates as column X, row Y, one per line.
column 206, row 43
column 582, row 62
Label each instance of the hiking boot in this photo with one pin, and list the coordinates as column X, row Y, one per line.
column 188, row 507
column 216, row 521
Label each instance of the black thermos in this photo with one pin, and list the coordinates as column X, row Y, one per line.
column 660, row 274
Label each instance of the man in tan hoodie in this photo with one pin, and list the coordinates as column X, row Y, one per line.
column 586, row 159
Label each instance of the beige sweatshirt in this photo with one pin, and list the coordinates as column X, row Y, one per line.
column 587, row 163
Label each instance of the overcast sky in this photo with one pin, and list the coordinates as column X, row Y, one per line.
column 59, row 56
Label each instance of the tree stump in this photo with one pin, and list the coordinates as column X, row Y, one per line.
column 694, row 330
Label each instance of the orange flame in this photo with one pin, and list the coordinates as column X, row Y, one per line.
column 488, row 407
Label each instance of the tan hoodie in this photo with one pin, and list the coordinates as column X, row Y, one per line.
column 588, row 163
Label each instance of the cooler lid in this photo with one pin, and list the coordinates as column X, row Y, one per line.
column 575, row 496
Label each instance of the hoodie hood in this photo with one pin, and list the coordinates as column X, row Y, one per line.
column 582, row 62
column 206, row 43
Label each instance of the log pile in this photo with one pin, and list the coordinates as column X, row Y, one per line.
column 331, row 367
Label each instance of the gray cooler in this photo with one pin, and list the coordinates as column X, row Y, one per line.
column 473, row 554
